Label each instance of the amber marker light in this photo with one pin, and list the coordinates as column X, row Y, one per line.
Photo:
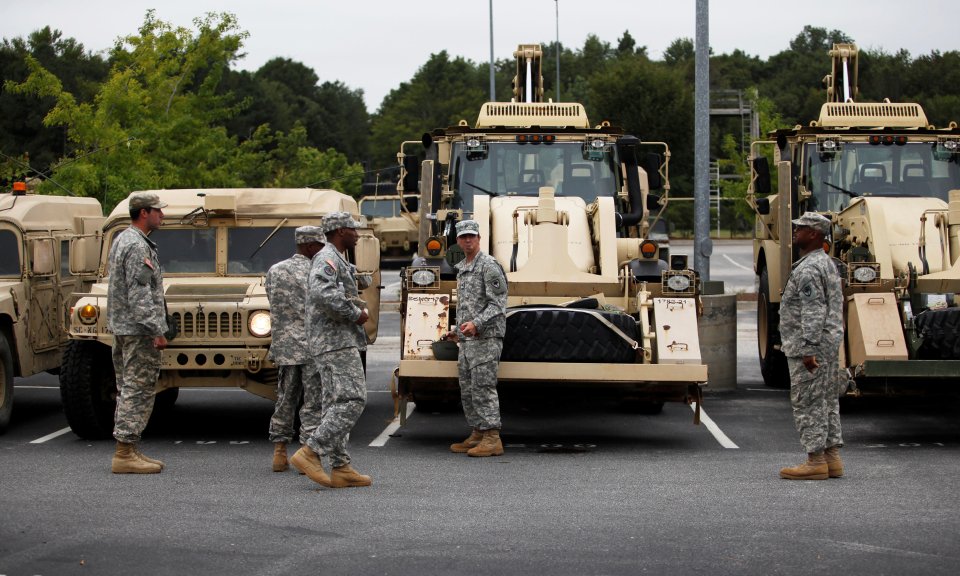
column 648, row 249
column 434, row 246
column 88, row 313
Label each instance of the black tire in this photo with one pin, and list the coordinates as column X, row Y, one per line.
column 940, row 330
column 6, row 383
column 567, row 335
column 88, row 389
column 165, row 400
column 773, row 363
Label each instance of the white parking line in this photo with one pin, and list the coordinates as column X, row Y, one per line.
column 394, row 425
column 51, row 436
column 714, row 429
column 738, row 265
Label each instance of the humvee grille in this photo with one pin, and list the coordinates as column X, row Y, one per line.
column 209, row 325
column 869, row 115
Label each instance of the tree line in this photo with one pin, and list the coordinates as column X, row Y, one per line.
column 166, row 107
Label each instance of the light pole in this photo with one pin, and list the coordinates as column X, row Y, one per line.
column 557, row 5
column 493, row 88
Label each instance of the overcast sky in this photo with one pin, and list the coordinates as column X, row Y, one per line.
column 377, row 44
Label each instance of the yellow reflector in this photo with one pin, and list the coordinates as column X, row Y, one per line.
column 434, row 246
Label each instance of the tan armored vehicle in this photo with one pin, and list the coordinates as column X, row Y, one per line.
column 394, row 220
column 215, row 248
column 37, row 237
column 595, row 306
column 890, row 183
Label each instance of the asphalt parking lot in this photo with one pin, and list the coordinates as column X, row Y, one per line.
column 583, row 488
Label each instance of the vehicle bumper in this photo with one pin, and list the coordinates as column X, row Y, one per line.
column 567, row 372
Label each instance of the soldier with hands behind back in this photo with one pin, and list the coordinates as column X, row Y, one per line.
column 136, row 315
column 286, row 286
column 811, row 327
column 336, row 337
column 481, row 325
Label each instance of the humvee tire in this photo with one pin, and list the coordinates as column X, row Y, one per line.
column 6, row 383
column 773, row 363
column 88, row 389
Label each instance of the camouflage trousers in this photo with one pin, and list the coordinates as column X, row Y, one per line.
column 296, row 382
column 815, row 397
column 137, row 366
column 344, row 397
column 477, row 367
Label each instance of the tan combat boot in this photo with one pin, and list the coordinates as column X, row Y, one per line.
column 345, row 477
column 126, row 461
column 308, row 462
column 490, row 445
column 470, row 442
column 815, row 468
column 146, row 458
column 280, row 457
column 834, row 463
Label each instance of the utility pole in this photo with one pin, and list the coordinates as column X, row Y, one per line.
column 702, row 245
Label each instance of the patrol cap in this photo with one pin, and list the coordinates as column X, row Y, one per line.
column 468, row 227
column 141, row 200
column 813, row 220
column 337, row 220
column 308, row 234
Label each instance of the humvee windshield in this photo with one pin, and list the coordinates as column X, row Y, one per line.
column 851, row 169
column 380, row 207
column 9, row 254
column 194, row 250
column 511, row 168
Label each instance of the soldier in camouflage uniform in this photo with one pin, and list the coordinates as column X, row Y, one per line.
column 481, row 324
column 286, row 286
column 811, row 327
column 335, row 318
column 136, row 315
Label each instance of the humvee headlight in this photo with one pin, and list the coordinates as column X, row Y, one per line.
column 88, row 314
column 864, row 274
column 259, row 323
column 678, row 283
column 423, row 277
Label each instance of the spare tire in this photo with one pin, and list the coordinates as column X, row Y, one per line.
column 555, row 334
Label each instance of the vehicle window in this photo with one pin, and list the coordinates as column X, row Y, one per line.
column 186, row 250
column 245, row 255
column 64, row 258
column 380, row 207
column 9, row 254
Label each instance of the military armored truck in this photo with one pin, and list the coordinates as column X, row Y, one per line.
column 394, row 221
column 889, row 181
column 37, row 237
column 595, row 306
column 215, row 247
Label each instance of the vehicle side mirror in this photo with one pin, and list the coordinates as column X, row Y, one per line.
column 762, row 169
column 763, row 206
column 411, row 173
column 84, row 255
column 651, row 164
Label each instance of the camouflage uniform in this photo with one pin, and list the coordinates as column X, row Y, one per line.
column 286, row 286
column 135, row 315
column 481, row 299
column 335, row 340
column 811, row 324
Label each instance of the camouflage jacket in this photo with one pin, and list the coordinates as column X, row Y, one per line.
column 286, row 286
column 811, row 309
column 333, row 304
column 482, row 296
column 135, row 304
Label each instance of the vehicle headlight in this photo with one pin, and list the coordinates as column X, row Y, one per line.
column 423, row 277
column 678, row 283
column 259, row 323
column 864, row 274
